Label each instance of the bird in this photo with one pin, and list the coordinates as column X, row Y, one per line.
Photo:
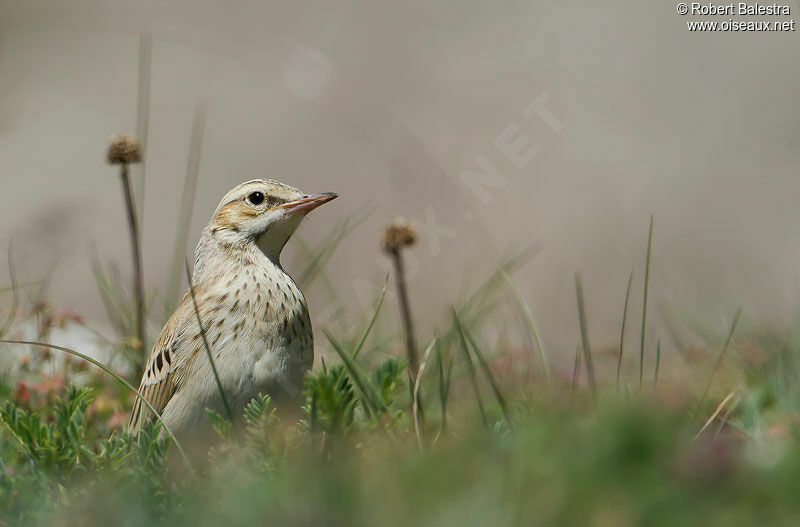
column 252, row 315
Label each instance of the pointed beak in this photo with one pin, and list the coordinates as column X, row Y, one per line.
column 307, row 203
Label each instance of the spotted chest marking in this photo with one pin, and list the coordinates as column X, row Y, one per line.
column 253, row 314
column 265, row 306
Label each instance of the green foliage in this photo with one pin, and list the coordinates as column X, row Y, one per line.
column 632, row 463
column 221, row 426
column 262, row 444
column 266, row 440
column 54, row 458
column 386, row 378
column 56, row 445
column 331, row 401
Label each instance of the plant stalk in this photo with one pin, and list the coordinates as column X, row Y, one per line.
column 405, row 312
column 133, row 228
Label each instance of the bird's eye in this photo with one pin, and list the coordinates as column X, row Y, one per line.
column 256, row 198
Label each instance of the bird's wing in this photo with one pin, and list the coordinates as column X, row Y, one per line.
column 166, row 362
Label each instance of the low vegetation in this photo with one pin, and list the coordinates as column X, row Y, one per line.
column 483, row 435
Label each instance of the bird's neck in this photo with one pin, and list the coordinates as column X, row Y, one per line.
column 217, row 254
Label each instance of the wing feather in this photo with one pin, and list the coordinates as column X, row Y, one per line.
column 157, row 387
column 159, row 381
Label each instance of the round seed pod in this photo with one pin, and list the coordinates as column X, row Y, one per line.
column 123, row 150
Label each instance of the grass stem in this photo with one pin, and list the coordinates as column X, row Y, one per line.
column 143, row 112
column 576, row 372
column 187, row 206
column 658, row 363
column 644, row 302
column 405, row 311
column 714, row 415
column 225, row 403
column 444, row 384
column 622, row 331
column 419, row 424
column 587, row 350
column 133, row 228
column 12, row 314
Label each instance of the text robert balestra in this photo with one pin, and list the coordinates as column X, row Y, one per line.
column 741, row 8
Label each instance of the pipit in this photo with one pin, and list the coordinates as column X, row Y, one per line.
column 253, row 314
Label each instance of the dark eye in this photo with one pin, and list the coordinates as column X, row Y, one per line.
column 256, row 198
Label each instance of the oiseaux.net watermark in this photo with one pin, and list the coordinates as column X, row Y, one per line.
column 712, row 17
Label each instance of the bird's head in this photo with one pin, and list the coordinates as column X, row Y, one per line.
column 263, row 211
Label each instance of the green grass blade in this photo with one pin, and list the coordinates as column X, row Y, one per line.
column 12, row 314
column 658, row 363
column 38, row 296
column 587, row 350
column 478, row 298
column 527, row 316
column 307, row 253
column 622, row 331
column 187, row 206
column 20, row 286
column 576, row 371
column 487, row 371
column 372, row 320
column 417, row 413
column 470, row 367
column 143, row 116
column 318, row 260
column 644, row 303
column 444, row 385
column 117, row 301
column 372, row 403
column 480, row 302
column 720, row 357
column 695, row 324
column 206, row 346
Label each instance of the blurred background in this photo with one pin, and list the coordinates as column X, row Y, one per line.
column 492, row 127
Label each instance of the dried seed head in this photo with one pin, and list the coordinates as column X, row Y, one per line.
column 398, row 234
column 124, row 149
